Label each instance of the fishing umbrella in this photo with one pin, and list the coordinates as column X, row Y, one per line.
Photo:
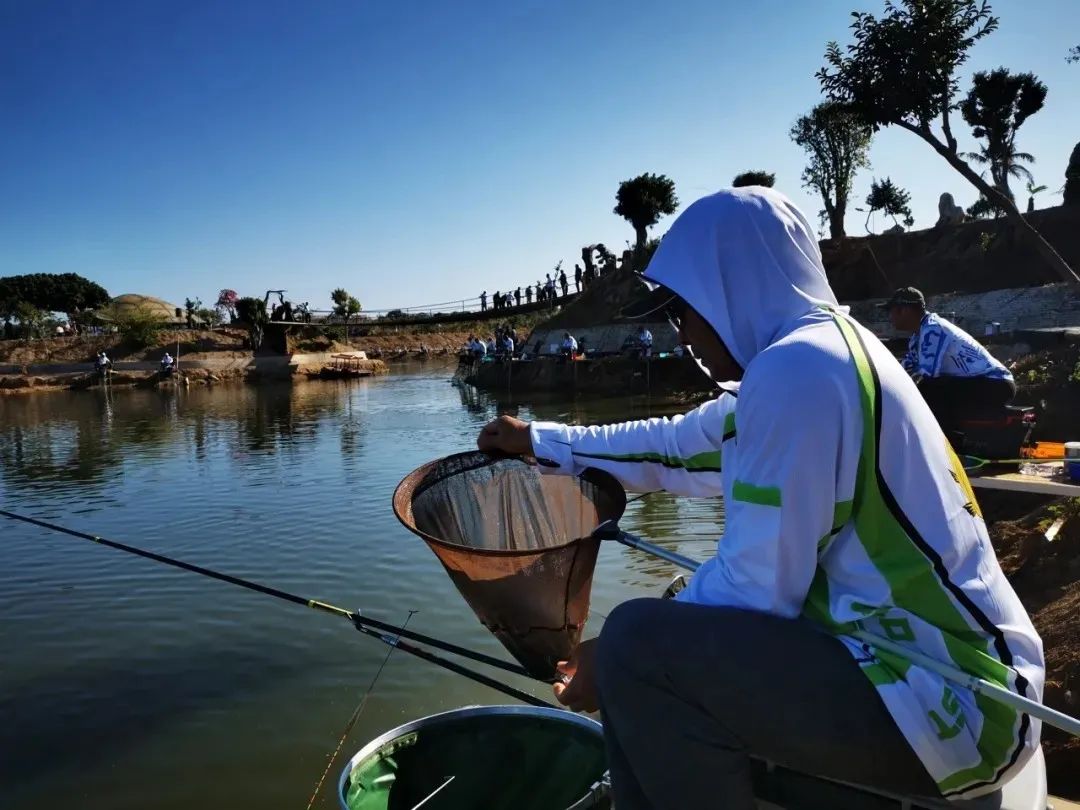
column 519, row 546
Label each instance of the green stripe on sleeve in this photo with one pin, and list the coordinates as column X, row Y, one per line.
column 751, row 493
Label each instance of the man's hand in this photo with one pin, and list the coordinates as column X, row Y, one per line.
column 505, row 435
column 579, row 694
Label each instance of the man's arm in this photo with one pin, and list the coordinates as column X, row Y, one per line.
column 680, row 455
column 783, row 502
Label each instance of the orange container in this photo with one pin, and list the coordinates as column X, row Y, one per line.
column 1044, row 450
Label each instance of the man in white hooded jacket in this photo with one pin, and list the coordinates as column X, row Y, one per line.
column 845, row 509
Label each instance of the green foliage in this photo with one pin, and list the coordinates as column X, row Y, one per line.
column 1074, row 377
column 1032, row 190
column 30, row 318
column 1072, row 178
column 983, row 208
column 754, row 178
column 345, row 305
column 901, row 68
column 211, row 316
column 997, row 105
column 1074, row 54
column 252, row 311
column 837, row 142
column 642, row 200
column 892, row 200
column 139, row 327
column 51, row 292
column 192, row 307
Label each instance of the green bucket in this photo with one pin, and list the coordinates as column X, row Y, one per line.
column 492, row 757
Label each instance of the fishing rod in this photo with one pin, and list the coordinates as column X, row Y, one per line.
column 385, row 632
column 955, row 676
column 974, row 462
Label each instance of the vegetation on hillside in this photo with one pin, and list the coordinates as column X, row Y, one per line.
column 901, row 70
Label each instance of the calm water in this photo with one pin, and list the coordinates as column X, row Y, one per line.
column 126, row 684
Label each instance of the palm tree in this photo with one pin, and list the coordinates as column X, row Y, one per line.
column 1003, row 163
column 1032, row 190
column 998, row 103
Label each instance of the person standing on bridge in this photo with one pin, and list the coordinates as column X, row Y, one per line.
column 577, row 278
column 517, row 297
column 483, row 301
column 528, row 293
column 563, row 283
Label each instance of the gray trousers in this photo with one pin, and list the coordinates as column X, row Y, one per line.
column 689, row 692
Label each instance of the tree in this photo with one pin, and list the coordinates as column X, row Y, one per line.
column 837, row 142
column 1072, row 178
column 191, row 309
column 983, row 208
column 345, row 305
column 642, row 200
column 53, row 292
column 1074, row 54
column 889, row 198
column 901, row 70
column 998, row 103
column 226, row 302
column 211, row 316
column 252, row 311
column 1032, row 190
column 30, row 318
column 754, row 178
column 140, row 327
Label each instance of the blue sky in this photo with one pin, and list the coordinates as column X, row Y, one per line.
column 420, row 152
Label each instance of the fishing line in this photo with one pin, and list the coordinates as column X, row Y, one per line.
column 356, row 715
column 386, row 633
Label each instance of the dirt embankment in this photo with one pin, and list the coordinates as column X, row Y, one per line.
column 973, row 257
column 193, row 344
column 1046, row 577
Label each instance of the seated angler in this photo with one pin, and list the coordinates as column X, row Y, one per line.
column 955, row 373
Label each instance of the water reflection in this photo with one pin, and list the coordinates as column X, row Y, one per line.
column 129, row 668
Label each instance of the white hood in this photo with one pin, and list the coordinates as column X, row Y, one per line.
column 748, row 261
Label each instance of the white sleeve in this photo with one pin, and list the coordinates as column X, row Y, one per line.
column 680, row 455
column 783, row 492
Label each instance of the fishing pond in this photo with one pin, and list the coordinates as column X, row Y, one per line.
column 128, row 684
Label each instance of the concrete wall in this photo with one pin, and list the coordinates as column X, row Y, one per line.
column 1049, row 306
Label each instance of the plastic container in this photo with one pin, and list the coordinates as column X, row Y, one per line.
column 1072, row 468
column 1044, row 450
column 491, row 757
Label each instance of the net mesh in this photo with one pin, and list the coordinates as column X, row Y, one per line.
column 517, row 544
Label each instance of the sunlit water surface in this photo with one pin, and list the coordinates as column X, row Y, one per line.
column 126, row 684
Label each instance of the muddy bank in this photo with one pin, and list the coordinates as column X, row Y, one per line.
column 1046, row 577
column 207, row 371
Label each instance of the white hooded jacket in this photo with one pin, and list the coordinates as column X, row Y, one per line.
column 844, row 503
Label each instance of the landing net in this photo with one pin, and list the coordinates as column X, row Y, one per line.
column 517, row 544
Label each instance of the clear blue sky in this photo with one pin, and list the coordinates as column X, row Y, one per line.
column 418, row 152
